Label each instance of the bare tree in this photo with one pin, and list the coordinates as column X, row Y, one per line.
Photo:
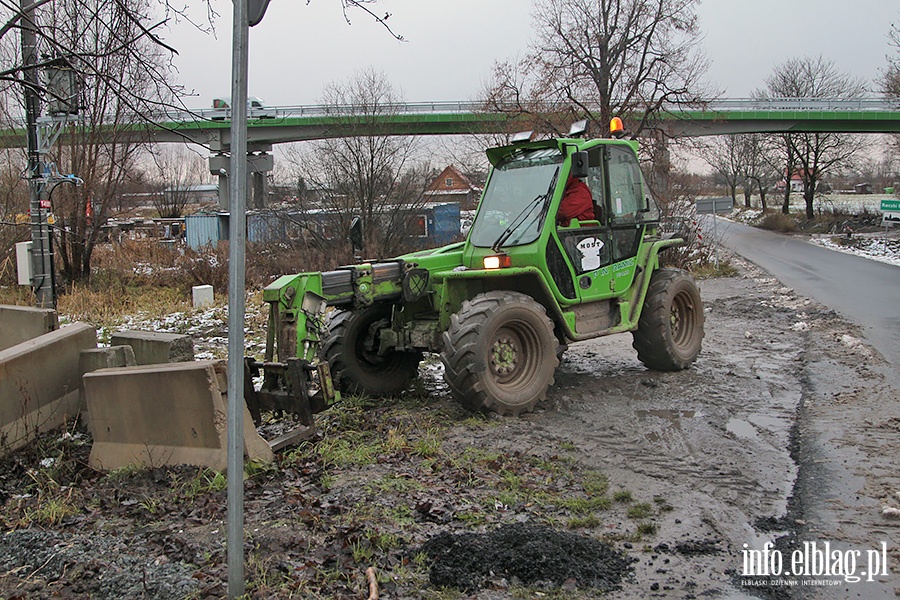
column 175, row 170
column 372, row 177
column 604, row 58
column 890, row 81
column 762, row 165
column 125, row 74
column 725, row 155
column 815, row 153
column 126, row 68
column 13, row 203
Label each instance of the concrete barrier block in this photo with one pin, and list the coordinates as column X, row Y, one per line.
column 40, row 383
column 164, row 414
column 22, row 323
column 152, row 348
column 94, row 359
column 203, row 296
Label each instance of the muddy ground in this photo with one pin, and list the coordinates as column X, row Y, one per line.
column 626, row 483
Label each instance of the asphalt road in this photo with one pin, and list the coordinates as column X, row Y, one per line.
column 866, row 292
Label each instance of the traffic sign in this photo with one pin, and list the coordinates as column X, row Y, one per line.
column 710, row 206
column 891, row 212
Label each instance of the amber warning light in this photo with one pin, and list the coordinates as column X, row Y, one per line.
column 501, row 261
column 616, row 128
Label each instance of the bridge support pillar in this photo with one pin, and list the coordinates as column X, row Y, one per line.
column 259, row 163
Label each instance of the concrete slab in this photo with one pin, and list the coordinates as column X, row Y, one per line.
column 164, row 414
column 40, row 383
column 153, row 348
column 22, row 323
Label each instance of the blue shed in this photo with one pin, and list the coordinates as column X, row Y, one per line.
column 443, row 223
column 205, row 229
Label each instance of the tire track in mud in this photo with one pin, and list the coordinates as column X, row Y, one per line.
column 849, row 470
column 712, row 442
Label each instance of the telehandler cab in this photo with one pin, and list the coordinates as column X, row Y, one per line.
column 499, row 307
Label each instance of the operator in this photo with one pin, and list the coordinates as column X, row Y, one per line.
column 577, row 203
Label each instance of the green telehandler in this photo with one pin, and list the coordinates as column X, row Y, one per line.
column 500, row 307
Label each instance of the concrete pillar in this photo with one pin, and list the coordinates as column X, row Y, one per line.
column 259, row 190
column 259, row 163
column 224, row 193
column 152, row 348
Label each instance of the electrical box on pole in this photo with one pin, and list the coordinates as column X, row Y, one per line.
column 63, row 88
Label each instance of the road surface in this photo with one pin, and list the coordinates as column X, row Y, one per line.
column 847, row 420
column 864, row 291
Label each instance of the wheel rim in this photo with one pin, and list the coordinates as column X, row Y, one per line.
column 367, row 349
column 681, row 320
column 513, row 356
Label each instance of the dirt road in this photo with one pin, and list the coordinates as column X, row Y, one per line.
column 784, row 431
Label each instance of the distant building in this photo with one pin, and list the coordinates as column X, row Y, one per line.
column 452, row 186
column 796, row 183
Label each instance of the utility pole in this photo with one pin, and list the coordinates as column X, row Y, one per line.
column 42, row 252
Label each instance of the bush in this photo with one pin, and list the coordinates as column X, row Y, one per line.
column 779, row 222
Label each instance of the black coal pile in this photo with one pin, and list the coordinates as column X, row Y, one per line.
column 533, row 555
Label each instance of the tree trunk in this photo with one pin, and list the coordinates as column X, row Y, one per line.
column 809, row 194
column 786, row 205
column 748, row 192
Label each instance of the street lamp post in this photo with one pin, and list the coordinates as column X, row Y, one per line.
column 246, row 13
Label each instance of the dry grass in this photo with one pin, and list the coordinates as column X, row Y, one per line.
column 147, row 277
column 779, row 222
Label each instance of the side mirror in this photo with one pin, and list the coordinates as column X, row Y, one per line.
column 356, row 235
column 579, row 165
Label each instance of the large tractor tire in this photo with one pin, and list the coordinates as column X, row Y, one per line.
column 670, row 330
column 351, row 349
column 500, row 353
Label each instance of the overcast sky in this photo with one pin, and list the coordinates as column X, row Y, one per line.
column 451, row 44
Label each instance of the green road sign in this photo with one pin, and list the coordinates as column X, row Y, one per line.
column 891, row 205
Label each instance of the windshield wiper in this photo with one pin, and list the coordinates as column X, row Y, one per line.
column 525, row 213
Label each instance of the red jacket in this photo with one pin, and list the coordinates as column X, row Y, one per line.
column 577, row 203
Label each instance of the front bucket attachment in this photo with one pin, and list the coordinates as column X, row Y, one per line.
column 295, row 387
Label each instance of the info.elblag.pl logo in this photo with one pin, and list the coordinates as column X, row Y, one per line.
column 812, row 560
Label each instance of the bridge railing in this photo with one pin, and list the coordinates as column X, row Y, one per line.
column 823, row 104
column 469, row 107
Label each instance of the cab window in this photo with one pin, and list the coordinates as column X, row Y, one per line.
column 625, row 194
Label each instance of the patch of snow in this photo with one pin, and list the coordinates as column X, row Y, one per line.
column 855, row 344
column 875, row 248
column 800, row 326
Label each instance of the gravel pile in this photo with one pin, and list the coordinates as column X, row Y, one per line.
column 533, row 555
column 97, row 567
